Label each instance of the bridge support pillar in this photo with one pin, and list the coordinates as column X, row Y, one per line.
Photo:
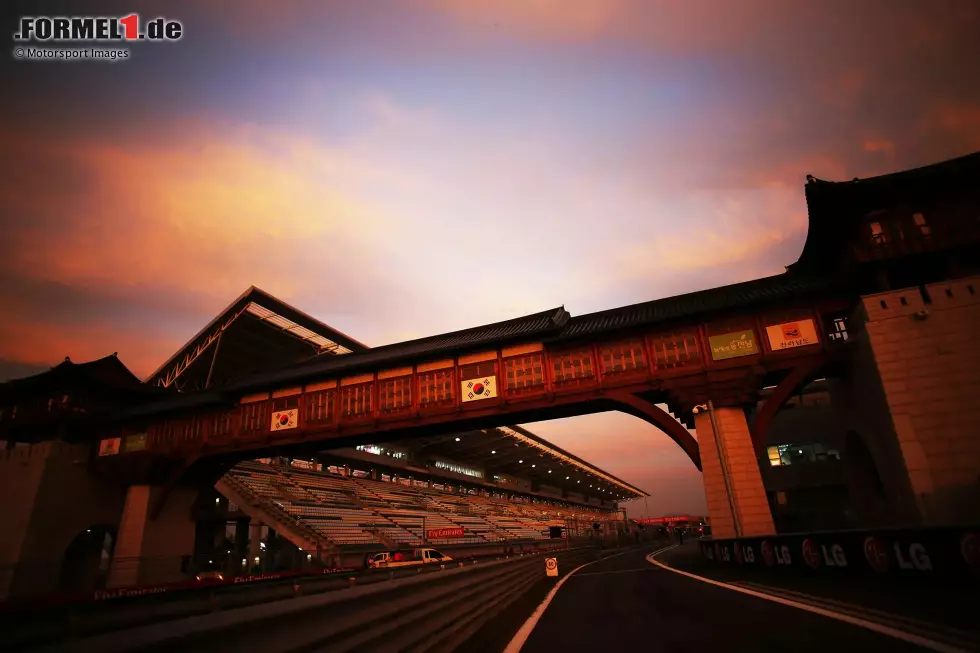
column 736, row 497
column 153, row 551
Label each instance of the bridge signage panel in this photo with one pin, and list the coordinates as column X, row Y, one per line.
column 285, row 419
column 135, row 442
column 792, row 334
column 479, row 388
column 733, row 345
column 109, row 447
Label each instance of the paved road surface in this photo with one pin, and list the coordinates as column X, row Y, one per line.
column 626, row 604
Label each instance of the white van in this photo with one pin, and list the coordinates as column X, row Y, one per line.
column 406, row 558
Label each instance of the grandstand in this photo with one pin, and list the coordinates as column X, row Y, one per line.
column 354, row 512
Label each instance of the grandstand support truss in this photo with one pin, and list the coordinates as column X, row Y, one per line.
column 305, row 336
column 170, row 376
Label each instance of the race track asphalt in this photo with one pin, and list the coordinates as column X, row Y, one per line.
column 624, row 603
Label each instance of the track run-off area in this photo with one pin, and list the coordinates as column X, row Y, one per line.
column 644, row 600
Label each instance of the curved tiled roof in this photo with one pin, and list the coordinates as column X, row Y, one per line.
column 537, row 325
column 663, row 311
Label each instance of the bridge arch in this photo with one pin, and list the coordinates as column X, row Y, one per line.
column 654, row 414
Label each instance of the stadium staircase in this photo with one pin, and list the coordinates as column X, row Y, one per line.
column 266, row 511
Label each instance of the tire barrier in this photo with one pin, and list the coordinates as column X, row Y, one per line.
column 922, row 553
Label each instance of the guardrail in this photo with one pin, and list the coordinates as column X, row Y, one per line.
column 949, row 553
column 431, row 611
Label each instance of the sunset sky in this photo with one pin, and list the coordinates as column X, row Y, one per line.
column 404, row 168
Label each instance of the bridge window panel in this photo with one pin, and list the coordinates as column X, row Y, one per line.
column 436, row 387
column 477, row 370
column 623, row 357
column 395, row 394
column 254, row 417
column 194, row 431
column 675, row 350
column 158, row 437
column 355, row 400
column 221, row 425
column 286, row 403
column 572, row 366
column 319, row 407
column 524, row 372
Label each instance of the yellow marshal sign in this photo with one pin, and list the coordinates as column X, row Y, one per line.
column 551, row 566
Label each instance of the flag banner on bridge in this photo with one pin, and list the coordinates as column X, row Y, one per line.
column 109, row 447
column 481, row 388
column 285, row 419
column 792, row 334
column 733, row 345
column 440, row 533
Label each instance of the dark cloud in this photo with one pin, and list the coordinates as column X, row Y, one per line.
column 10, row 370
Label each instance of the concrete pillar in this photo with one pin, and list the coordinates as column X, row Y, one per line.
column 150, row 552
column 744, row 491
column 254, row 539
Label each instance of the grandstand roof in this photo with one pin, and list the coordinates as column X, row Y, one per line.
column 515, row 451
column 255, row 333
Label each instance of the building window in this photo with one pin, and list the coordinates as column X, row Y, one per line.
column 920, row 222
column 838, row 329
column 878, row 236
column 799, row 454
column 774, row 456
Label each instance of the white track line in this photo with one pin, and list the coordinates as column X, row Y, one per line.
column 525, row 631
column 839, row 616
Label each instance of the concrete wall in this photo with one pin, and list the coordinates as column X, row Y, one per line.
column 153, row 551
column 928, row 360
column 49, row 498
